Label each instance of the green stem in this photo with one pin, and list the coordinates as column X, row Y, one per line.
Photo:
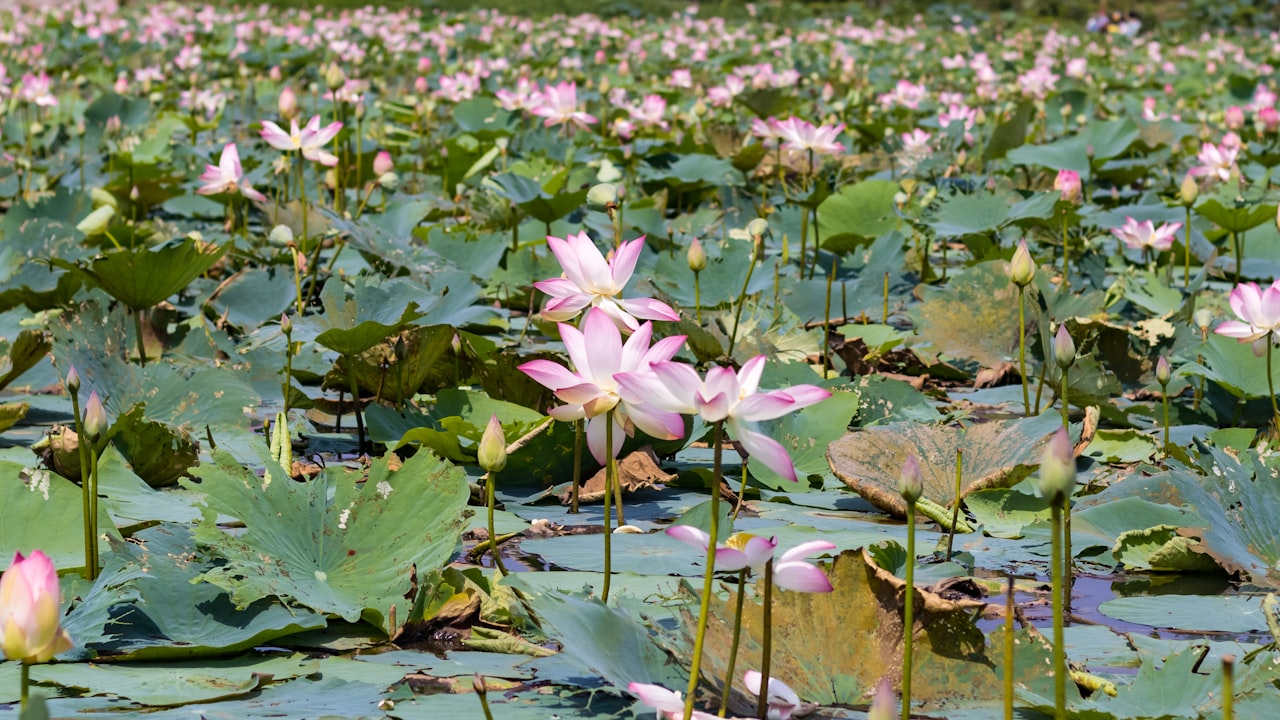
column 884, row 316
column 288, row 371
column 955, row 506
column 804, row 242
column 1271, row 387
column 737, row 636
column 1066, row 282
column 1008, row 651
column 610, row 477
column 493, row 537
column 742, row 492
column 95, row 566
column 1066, row 406
column 908, row 612
column 817, row 244
column 1022, row 351
column 704, row 609
column 137, row 329
column 697, row 295
column 766, row 652
column 742, row 300
column 1228, row 686
column 1235, row 251
column 355, row 402
column 24, row 688
column 826, row 320
column 484, row 696
column 577, row 466
column 82, row 444
column 1164, row 397
column 1059, row 648
column 1186, row 261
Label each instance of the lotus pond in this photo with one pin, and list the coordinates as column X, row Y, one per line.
column 419, row 365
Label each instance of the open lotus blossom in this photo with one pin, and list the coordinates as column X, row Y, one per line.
column 593, row 391
column 1258, row 310
column 310, row 140
column 668, row 703
column 35, row 89
column 1067, row 182
column 726, row 396
column 591, row 281
column 227, row 176
column 783, row 701
column 29, row 614
column 559, row 105
column 797, row 134
column 790, row 570
column 1216, row 161
column 1142, row 235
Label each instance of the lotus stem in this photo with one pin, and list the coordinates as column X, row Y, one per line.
column 1186, row 261
column 288, row 370
column 1059, row 649
column 742, row 492
column 1008, row 651
column 697, row 296
column 1164, row 399
column 94, row 567
column 704, row 609
column 482, row 692
column 766, row 652
column 1022, row 351
column 1235, row 251
column 1066, row 278
column 610, row 469
column 577, row 466
column 733, row 647
column 24, row 688
column 955, row 506
column 826, row 320
column 884, row 315
column 1066, row 405
column 742, row 300
column 137, row 330
column 908, row 611
column 355, row 402
column 804, row 245
column 1271, row 387
column 1228, row 686
column 82, row 448
column 493, row 537
column 817, row 243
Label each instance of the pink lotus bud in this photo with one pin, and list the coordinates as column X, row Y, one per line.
column 1163, row 372
column 288, row 104
column 1022, row 269
column 1269, row 118
column 73, row 380
column 424, row 64
column 95, row 417
column 1068, row 183
column 492, row 452
column 1234, row 117
column 601, row 58
column 275, row 73
column 383, row 164
column 420, row 85
column 29, row 612
column 1064, row 348
column 911, row 483
column 122, row 84
column 1057, row 468
column 697, row 256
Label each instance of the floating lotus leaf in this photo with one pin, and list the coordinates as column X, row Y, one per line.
column 863, row 209
column 42, row 511
column 350, row 326
column 143, row 277
column 159, row 453
column 836, row 647
column 1163, row 549
column 395, row 375
column 974, row 316
column 996, row 454
column 28, row 349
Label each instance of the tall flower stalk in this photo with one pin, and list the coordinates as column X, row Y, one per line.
column 704, row 609
column 1259, row 323
column 1022, row 270
column 911, row 486
column 1055, row 483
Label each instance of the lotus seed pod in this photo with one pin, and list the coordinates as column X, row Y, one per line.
column 697, row 256
column 1022, row 269
column 389, row 181
column 602, row 195
column 1057, row 476
column 1064, row 348
column 911, row 482
column 1203, row 318
column 758, row 227
column 281, row 235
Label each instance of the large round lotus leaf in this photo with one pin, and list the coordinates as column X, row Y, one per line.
column 395, row 377
column 143, row 277
column 27, row 350
column 974, row 316
column 836, row 647
column 996, row 454
column 159, row 453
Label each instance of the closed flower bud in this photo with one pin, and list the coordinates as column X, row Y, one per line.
column 884, row 706
column 697, row 256
column 1068, row 183
column 911, row 482
column 1203, row 318
column 95, row 417
column 1163, row 372
column 602, row 195
column 29, row 612
column 97, row 222
column 1064, row 348
column 1022, row 269
column 281, row 235
column 288, row 104
column 1057, row 468
column 383, row 164
column 492, row 453
column 1189, row 191
column 758, row 227
column 73, row 380
column 286, row 325
column 334, row 77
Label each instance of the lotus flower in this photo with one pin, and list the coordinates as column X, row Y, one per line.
column 742, row 550
column 29, row 614
column 668, row 703
column 590, row 281
column 1142, row 235
column 310, row 140
column 227, row 176
column 559, row 105
column 1215, row 161
column 782, row 700
column 800, row 135
column 593, row 391
column 1258, row 310
column 729, row 397
column 1068, row 183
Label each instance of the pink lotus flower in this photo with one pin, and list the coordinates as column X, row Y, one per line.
column 1215, row 161
column 35, row 90
column 227, row 176
column 668, row 703
column 560, row 105
column 310, row 140
column 729, row 397
column 800, row 135
column 1142, row 235
column 1068, row 183
column 1258, row 310
column 29, row 610
column 590, row 281
column 790, row 571
column 782, row 700
column 593, row 391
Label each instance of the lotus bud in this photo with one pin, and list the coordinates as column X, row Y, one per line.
column 37, row 128
column 883, row 706
column 95, row 417
column 420, row 85
column 1022, row 269
column 700, row 107
column 1068, row 183
column 1057, row 468
column 1203, row 318
column 1189, row 191
column 389, row 181
column 29, row 614
column 400, row 350
column 603, row 195
column 360, row 109
column 281, row 235
column 757, row 228
column 275, row 74
column 1064, row 348
column 286, row 325
column 97, row 222
column 1163, row 373
column 73, row 380
column 697, row 257
column 383, row 164
column 492, row 453
column 478, row 685
column 288, row 104
column 1234, row 118
column 334, row 78
column 911, row 482
column 102, row 198
column 134, row 194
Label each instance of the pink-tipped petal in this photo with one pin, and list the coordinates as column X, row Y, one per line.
column 657, row 423
column 549, row 374
column 807, row 549
column 561, row 288
column 657, row 697
column 664, row 349
column 624, row 262
column 805, row 395
column 749, row 376
column 649, row 309
column 764, row 449
column 690, row 535
column 604, row 346
column 765, row 406
column 1236, row 329
column 801, row 577
column 595, row 271
column 759, row 550
column 635, row 349
column 596, row 428
column 730, row 559
column 563, row 309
